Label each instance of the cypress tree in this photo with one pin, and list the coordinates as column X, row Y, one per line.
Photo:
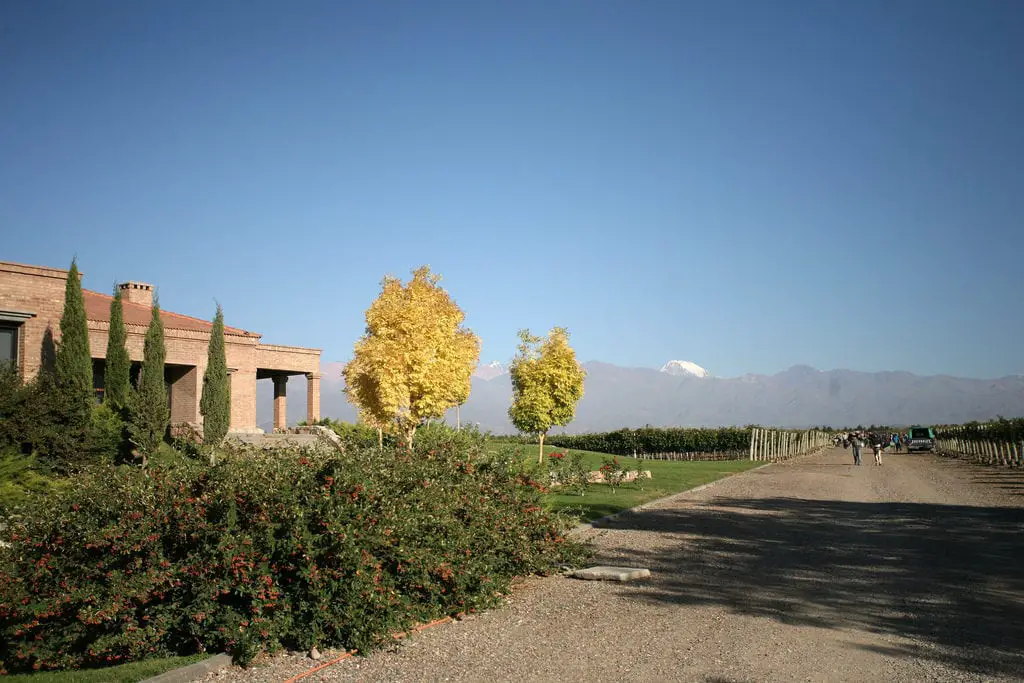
column 215, row 405
column 66, row 395
column 74, row 362
column 116, row 382
column 148, row 411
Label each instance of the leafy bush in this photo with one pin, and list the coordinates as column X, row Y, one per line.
column 107, row 441
column 437, row 436
column 279, row 549
column 355, row 435
column 614, row 473
column 38, row 417
column 570, row 472
column 20, row 477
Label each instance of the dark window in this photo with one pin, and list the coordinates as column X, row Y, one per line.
column 920, row 434
column 8, row 344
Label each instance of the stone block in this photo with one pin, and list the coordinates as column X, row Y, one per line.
column 611, row 573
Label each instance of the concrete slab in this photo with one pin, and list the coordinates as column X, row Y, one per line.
column 193, row 672
column 611, row 573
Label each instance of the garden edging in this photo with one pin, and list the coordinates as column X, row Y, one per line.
column 192, row 672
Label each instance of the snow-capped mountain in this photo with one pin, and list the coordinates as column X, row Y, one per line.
column 490, row 371
column 684, row 367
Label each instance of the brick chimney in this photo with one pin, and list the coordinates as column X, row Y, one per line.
column 137, row 293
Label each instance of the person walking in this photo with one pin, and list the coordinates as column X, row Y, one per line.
column 856, row 444
column 877, row 448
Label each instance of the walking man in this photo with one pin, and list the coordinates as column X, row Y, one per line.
column 856, row 443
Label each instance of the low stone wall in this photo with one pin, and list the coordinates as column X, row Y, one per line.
column 597, row 477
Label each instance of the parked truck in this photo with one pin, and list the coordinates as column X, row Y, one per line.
column 920, row 439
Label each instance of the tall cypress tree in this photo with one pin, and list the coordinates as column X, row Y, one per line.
column 116, row 382
column 215, row 405
column 74, row 362
column 148, row 413
column 66, row 396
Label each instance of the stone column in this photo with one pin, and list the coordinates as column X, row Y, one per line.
column 280, row 402
column 312, row 397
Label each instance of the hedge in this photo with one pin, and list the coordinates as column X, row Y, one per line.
column 654, row 440
column 264, row 551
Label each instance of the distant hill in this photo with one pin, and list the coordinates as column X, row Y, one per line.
column 801, row 396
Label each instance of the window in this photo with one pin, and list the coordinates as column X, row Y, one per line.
column 8, row 344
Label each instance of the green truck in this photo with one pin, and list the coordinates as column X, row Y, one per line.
column 920, row 439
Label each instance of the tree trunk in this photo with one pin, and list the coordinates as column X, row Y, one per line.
column 380, row 439
column 540, row 454
column 458, row 418
column 409, row 435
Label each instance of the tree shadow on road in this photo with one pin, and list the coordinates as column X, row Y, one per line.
column 951, row 578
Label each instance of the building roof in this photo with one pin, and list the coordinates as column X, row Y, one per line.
column 97, row 309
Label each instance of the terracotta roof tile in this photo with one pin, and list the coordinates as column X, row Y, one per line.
column 97, row 308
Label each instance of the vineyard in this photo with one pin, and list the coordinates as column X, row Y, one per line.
column 682, row 443
column 1000, row 442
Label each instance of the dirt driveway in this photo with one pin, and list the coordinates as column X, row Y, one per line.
column 812, row 570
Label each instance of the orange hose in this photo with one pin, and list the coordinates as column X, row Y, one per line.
column 322, row 666
column 396, row 636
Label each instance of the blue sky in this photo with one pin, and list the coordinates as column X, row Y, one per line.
column 743, row 184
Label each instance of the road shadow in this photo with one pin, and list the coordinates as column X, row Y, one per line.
column 949, row 577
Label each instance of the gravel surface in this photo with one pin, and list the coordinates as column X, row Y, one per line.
column 811, row 570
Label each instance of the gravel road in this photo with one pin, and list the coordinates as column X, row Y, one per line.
column 811, row 570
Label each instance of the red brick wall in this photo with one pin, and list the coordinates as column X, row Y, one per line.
column 38, row 290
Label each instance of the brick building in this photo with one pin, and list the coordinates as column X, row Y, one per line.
column 31, row 303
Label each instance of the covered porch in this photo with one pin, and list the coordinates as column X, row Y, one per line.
column 278, row 363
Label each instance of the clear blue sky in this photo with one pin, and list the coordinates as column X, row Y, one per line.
column 748, row 185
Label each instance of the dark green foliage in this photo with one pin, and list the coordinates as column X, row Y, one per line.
column 215, row 405
column 34, row 419
column 651, row 440
column 74, row 361
column 73, row 372
column 266, row 550
column 1001, row 429
column 116, row 383
column 148, row 412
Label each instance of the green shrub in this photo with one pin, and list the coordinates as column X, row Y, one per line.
column 437, row 436
column 614, row 473
column 569, row 471
column 282, row 549
column 21, row 476
column 107, row 440
column 355, row 435
column 39, row 417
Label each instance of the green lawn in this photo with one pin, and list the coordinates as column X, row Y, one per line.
column 124, row 673
column 666, row 478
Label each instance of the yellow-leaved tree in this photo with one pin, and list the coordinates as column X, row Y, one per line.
column 547, row 383
column 416, row 359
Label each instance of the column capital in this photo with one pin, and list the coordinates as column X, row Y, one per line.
column 313, row 375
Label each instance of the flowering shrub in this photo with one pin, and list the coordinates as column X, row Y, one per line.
column 614, row 473
column 570, row 473
column 281, row 549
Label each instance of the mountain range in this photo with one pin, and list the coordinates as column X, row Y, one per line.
column 684, row 394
